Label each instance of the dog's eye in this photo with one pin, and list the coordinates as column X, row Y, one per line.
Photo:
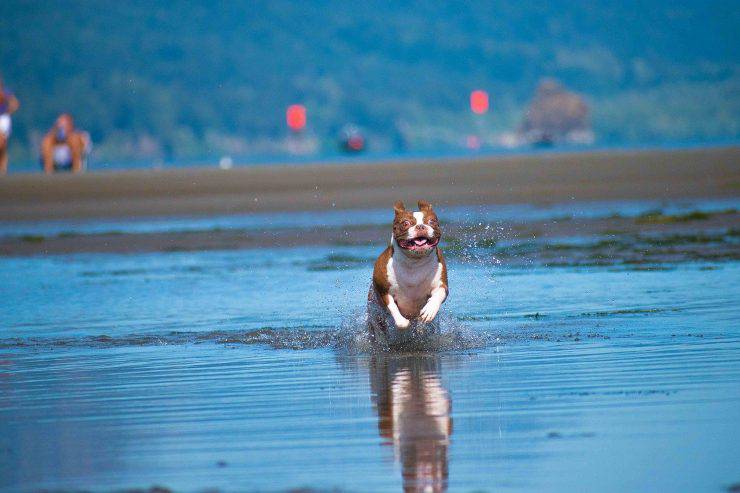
column 406, row 224
column 433, row 222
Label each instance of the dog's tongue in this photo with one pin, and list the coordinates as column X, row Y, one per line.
column 420, row 241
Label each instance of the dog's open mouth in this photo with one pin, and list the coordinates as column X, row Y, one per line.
column 420, row 243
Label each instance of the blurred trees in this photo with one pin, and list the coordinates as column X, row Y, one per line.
column 195, row 79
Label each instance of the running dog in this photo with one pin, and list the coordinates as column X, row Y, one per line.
column 410, row 277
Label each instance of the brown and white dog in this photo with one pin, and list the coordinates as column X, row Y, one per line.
column 410, row 277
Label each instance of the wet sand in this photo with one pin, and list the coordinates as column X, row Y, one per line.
column 539, row 179
column 576, row 337
column 711, row 232
column 580, row 341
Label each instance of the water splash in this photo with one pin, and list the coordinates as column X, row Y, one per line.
column 453, row 335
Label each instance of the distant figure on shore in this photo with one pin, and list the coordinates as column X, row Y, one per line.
column 64, row 148
column 556, row 115
column 8, row 105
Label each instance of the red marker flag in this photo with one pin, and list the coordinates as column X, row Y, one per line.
column 479, row 102
column 295, row 116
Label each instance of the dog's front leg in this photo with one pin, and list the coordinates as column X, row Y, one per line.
column 401, row 321
column 430, row 309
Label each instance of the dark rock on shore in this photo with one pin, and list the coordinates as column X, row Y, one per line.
column 556, row 115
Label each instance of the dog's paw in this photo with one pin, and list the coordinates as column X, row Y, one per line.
column 402, row 323
column 428, row 312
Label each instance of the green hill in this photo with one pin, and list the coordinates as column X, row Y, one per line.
column 194, row 79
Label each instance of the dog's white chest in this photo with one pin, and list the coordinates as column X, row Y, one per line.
column 411, row 285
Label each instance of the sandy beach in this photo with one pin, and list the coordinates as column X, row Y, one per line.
column 540, row 178
column 591, row 322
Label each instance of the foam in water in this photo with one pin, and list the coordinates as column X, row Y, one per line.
column 353, row 336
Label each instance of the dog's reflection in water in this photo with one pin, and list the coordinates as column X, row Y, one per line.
column 414, row 416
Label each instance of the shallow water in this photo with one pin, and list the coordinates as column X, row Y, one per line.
column 249, row 370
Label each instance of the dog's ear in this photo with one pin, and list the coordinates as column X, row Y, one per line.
column 399, row 208
column 424, row 205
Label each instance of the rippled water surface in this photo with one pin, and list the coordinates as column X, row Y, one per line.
column 249, row 370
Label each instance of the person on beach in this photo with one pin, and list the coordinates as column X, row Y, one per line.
column 8, row 105
column 64, row 148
